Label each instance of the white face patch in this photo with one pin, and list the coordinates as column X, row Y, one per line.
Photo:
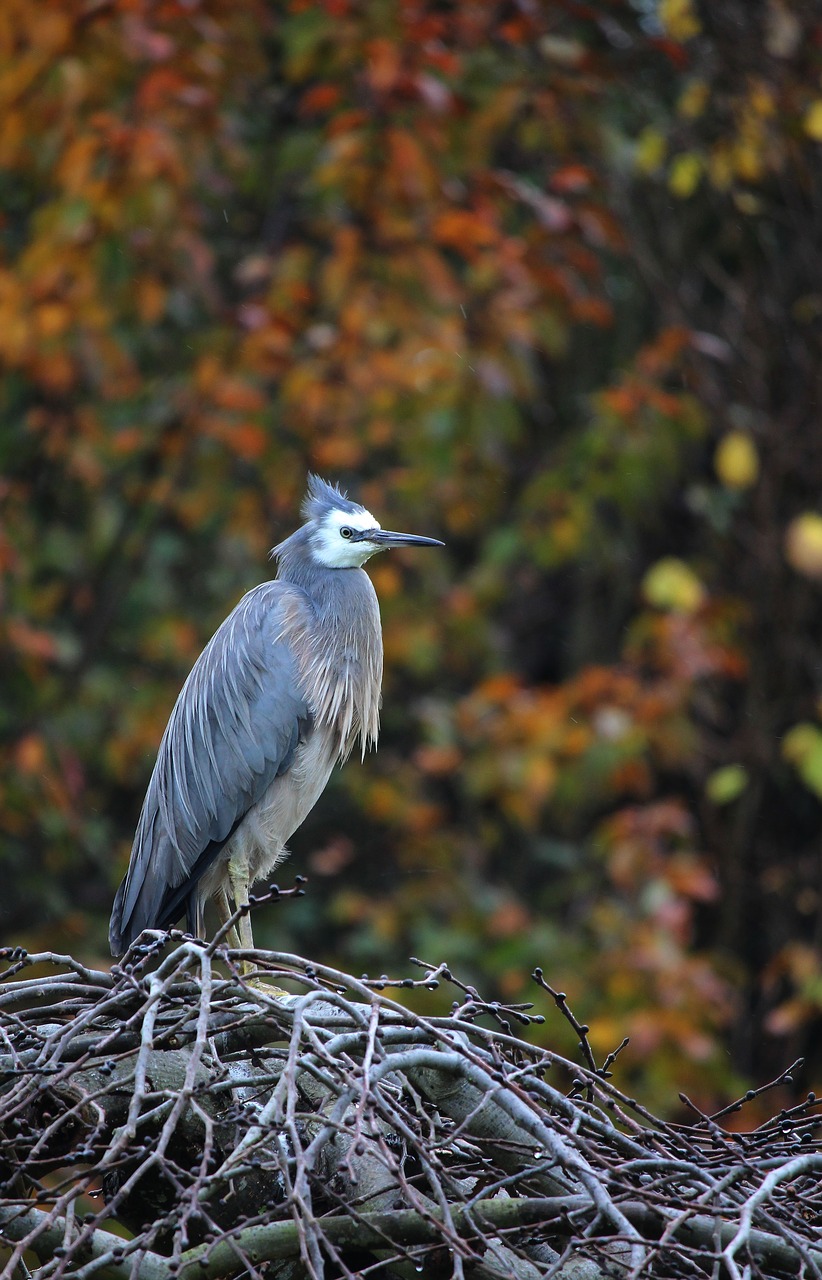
column 332, row 545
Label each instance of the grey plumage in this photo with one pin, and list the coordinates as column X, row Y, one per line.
column 282, row 691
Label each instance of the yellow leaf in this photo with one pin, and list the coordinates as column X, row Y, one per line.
column 650, row 150
column 813, row 120
column 671, row 585
column 693, row 100
column 749, row 159
column 720, row 167
column 736, row 460
column 685, row 173
column 566, row 535
column 799, row 742
column 762, row 100
column 803, row 544
column 679, row 19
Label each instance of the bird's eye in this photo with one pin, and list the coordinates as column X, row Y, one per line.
column 345, row 532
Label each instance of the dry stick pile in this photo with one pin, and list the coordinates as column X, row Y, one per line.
column 166, row 1120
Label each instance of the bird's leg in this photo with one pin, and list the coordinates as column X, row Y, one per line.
column 195, row 921
column 225, row 913
column 238, row 876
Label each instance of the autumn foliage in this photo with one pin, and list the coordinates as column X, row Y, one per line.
column 540, row 279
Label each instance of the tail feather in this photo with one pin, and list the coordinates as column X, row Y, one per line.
column 157, row 904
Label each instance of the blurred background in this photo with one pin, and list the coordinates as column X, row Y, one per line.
column 541, row 279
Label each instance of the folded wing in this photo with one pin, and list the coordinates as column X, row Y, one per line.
column 235, row 727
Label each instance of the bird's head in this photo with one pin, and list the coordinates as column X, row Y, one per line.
column 342, row 534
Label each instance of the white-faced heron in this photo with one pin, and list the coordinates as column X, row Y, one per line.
column 279, row 694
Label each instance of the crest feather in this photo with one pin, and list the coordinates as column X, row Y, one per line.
column 323, row 497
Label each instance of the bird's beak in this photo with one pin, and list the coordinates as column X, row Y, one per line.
column 384, row 538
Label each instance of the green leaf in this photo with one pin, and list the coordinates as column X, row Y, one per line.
column 725, row 785
column 802, row 746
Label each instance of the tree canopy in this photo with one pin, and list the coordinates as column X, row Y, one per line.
column 540, row 279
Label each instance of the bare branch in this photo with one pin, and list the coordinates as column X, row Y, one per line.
column 230, row 1129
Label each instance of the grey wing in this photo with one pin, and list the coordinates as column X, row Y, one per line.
column 235, row 727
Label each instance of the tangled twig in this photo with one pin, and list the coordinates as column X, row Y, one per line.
column 172, row 1118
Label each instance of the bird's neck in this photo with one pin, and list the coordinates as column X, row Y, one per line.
column 343, row 678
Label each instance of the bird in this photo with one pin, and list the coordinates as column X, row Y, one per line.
column 282, row 692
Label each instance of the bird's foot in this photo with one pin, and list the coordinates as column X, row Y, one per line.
column 258, row 980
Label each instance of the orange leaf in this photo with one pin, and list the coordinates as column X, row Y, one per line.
column 384, row 64
column 30, row 640
column 462, row 229
column 319, row 99
column 30, row 754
